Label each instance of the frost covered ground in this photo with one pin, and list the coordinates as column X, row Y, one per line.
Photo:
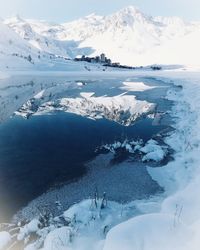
column 176, row 224
column 167, row 222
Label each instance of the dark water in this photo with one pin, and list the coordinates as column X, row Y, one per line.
column 43, row 151
column 36, row 154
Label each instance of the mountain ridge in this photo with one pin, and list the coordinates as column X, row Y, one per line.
column 128, row 36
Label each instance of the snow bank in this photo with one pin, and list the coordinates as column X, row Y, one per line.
column 5, row 239
column 58, row 239
column 129, row 146
column 153, row 151
column 176, row 226
column 88, row 223
column 148, row 232
column 29, row 228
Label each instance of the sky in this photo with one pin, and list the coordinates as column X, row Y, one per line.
column 67, row 10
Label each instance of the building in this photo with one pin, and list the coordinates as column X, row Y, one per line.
column 116, row 64
column 108, row 61
column 103, row 57
column 83, row 57
column 98, row 59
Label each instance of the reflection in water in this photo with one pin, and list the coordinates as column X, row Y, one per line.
column 38, row 153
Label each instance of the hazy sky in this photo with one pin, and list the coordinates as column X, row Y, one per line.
column 67, row 10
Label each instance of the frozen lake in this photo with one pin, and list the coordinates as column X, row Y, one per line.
column 49, row 151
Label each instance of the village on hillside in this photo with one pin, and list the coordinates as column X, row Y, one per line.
column 102, row 59
column 107, row 62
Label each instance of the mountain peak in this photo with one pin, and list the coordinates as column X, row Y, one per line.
column 131, row 10
column 128, row 16
column 93, row 16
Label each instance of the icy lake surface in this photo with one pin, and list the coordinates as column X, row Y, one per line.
column 58, row 150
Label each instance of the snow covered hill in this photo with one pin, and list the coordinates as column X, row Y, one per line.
column 42, row 36
column 14, row 50
column 23, row 49
column 127, row 36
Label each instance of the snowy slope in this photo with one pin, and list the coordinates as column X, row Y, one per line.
column 127, row 36
column 176, row 226
column 30, row 31
column 45, row 36
column 13, row 49
column 22, row 49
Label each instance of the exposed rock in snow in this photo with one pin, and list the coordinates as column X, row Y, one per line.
column 129, row 146
column 151, row 151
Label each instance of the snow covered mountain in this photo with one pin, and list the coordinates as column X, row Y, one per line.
column 127, row 36
column 17, row 52
column 21, row 48
column 14, row 50
column 25, row 30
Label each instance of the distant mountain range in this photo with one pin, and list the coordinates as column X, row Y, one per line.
column 127, row 36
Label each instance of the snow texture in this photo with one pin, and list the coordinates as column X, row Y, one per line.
column 127, row 36
column 172, row 221
column 5, row 239
column 135, row 86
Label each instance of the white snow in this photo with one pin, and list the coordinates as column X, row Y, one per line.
column 176, row 226
column 39, row 95
column 107, row 107
column 127, row 36
column 124, row 109
column 135, row 86
column 172, row 222
column 31, row 227
column 5, row 239
column 148, row 232
column 58, row 239
column 87, row 94
column 79, row 84
column 153, row 151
